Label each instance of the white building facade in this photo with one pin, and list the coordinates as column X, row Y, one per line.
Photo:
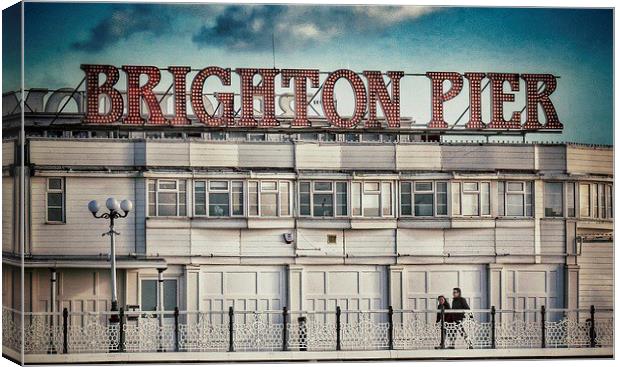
column 261, row 220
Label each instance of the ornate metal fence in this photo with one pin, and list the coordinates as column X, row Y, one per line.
column 283, row 330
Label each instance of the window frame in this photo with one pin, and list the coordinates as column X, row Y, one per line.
column 412, row 192
column 378, row 192
column 524, row 193
column 278, row 198
column 334, row 192
column 462, row 192
column 229, row 191
column 176, row 190
column 563, row 199
column 61, row 191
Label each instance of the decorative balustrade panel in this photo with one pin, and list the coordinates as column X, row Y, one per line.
column 303, row 331
column 201, row 333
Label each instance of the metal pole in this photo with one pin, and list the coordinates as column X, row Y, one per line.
column 231, row 320
column 493, row 327
column 65, row 336
column 176, row 329
column 113, row 265
column 390, row 328
column 338, row 346
column 121, row 332
column 442, row 343
column 592, row 328
column 52, row 349
column 160, row 307
column 543, row 342
column 284, row 329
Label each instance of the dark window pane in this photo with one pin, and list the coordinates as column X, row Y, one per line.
column 54, row 214
column 323, row 205
column 148, row 295
column 54, row 199
column 218, row 204
column 170, row 294
column 423, row 205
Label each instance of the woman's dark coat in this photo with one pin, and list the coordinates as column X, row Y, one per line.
column 445, row 306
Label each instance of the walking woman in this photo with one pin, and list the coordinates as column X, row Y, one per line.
column 442, row 305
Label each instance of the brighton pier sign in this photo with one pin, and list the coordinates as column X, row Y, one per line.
column 369, row 95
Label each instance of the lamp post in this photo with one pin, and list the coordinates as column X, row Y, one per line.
column 115, row 209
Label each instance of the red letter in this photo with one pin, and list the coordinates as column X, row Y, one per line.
column 534, row 98
column 94, row 90
column 179, row 74
column 299, row 77
column 438, row 97
column 475, row 100
column 266, row 89
column 359, row 94
column 377, row 90
column 498, row 97
column 134, row 92
column 226, row 99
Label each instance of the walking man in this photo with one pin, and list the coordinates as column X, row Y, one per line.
column 459, row 303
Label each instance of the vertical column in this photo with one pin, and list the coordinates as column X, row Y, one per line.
column 191, row 291
column 495, row 287
column 397, row 296
column 295, row 288
column 571, row 286
column 538, row 211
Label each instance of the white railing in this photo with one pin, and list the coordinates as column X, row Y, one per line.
column 282, row 330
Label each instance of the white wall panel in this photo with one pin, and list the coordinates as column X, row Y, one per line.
column 370, row 242
column 596, row 275
column 532, row 286
column 351, row 287
column 215, row 242
column 7, row 213
column 424, row 283
column 81, row 232
column 420, row 241
column 470, row 241
column 247, row 288
column 589, row 160
column 80, row 152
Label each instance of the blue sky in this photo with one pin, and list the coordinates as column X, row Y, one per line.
column 576, row 44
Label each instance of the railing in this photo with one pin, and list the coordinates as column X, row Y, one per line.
column 283, row 330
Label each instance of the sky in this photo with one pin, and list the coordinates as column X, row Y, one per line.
column 574, row 44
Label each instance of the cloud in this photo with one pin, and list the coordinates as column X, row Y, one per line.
column 122, row 23
column 244, row 27
column 250, row 27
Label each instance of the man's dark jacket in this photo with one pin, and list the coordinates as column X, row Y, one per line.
column 459, row 303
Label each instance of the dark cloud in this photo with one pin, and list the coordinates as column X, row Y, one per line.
column 251, row 27
column 122, row 23
column 241, row 27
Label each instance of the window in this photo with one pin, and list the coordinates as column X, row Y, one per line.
column 405, row 198
column 218, row 198
column 323, row 198
column 553, row 199
column 372, row 199
column 269, row 198
column 570, row 199
column 149, row 295
column 595, row 200
column 55, row 198
column 515, row 198
column 424, row 198
column 584, row 200
column 609, row 200
column 470, row 198
column 167, row 197
column 441, row 195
